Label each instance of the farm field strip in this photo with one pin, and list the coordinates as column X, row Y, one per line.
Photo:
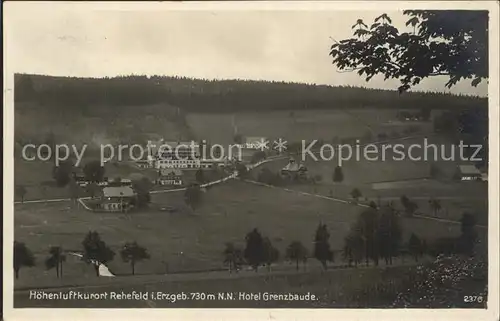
column 352, row 203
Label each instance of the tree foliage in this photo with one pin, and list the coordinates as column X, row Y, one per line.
column 415, row 246
column 271, row 253
column 93, row 171
column 142, row 187
column 233, row 257
column 297, row 252
column 63, row 94
column 21, row 192
column 375, row 235
column 451, row 43
column 23, row 257
column 133, row 253
column 356, row 194
column 322, row 251
column 62, row 173
column 193, row 196
column 95, row 250
column 55, row 260
column 255, row 252
column 338, row 175
column 468, row 237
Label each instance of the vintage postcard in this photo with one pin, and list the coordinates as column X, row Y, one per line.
column 251, row 160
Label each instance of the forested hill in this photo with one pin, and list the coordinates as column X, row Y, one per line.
column 221, row 95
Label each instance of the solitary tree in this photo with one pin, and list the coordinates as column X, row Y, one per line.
column 193, row 196
column 21, row 192
column 254, row 251
column 356, row 194
column 468, row 237
column 409, row 206
column 22, row 257
column 435, row 205
column 354, row 246
column 338, row 175
column 95, row 250
column 55, row 260
column 322, row 250
column 388, row 234
column 452, row 43
column 415, row 246
column 133, row 253
column 271, row 254
column 142, row 188
column 233, row 257
column 296, row 252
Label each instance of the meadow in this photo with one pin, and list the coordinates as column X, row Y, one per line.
column 97, row 124
column 191, row 241
column 389, row 179
column 345, row 288
column 295, row 126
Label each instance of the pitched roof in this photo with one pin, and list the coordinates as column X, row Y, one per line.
column 118, row 191
column 469, row 169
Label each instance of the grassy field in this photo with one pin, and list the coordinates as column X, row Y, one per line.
column 192, row 241
column 301, row 125
column 97, row 125
column 389, row 179
column 335, row 288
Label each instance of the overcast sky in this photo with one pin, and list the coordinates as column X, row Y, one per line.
column 270, row 45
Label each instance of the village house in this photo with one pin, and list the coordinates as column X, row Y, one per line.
column 294, row 170
column 117, row 199
column 170, row 176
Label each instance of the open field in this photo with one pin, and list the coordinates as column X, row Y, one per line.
column 298, row 125
column 346, row 288
column 193, row 241
column 390, row 179
column 97, row 124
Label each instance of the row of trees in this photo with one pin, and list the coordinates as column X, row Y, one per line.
column 216, row 96
column 95, row 252
column 376, row 235
column 259, row 251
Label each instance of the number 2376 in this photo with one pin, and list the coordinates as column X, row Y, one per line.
column 473, row 298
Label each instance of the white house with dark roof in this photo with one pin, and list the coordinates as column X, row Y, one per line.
column 117, row 198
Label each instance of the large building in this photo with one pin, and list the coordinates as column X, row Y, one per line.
column 116, row 199
column 169, row 176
